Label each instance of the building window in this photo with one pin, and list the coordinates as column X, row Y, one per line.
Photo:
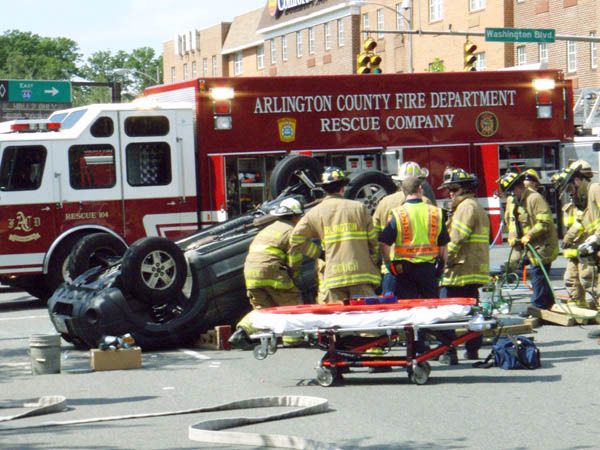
column 571, row 56
column 380, row 23
column 238, row 63
column 260, row 57
column 365, row 22
column 204, row 67
column 327, row 31
column 399, row 17
column 543, row 52
column 273, row 52
column 480, row 62
column 173, row 74
column 593, row 52
column 436, row 11
column 185, row 71
column 521, row 55
column 194, row 69
column 299, row 44
column 341, row 33
column 284, row 48
column 311, row 41
column 476, row 5
column 214, row 66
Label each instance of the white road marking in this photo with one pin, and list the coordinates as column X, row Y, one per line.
column 23, row 318
column 194, row 354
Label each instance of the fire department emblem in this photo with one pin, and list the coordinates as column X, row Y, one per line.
column 487, row 124
column 287, row 129
column 24, row 224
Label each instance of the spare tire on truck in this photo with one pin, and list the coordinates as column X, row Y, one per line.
column 284, row 175
column 369, row 187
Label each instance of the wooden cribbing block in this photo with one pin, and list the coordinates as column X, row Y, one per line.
column 551, row 316
column 207, row 340
column 581, row 315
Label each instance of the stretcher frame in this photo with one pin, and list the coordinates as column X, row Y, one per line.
column 339, row 360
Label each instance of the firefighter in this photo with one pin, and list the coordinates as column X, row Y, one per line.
column 348, row 240
column 531, row 223
column 586, row 197
column 468, row 259
column 531, row 179
column 418, row 235
column 267, row 268
column 391, row 201
column 572, row 214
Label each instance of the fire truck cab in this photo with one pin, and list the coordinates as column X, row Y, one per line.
column 101, row 176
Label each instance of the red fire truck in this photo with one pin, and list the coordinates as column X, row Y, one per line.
column 97, row 178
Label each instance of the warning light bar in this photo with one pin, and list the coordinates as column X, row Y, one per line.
column 31, row 127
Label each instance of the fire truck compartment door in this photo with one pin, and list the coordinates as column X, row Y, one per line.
column 28, row 199
column 155, row 173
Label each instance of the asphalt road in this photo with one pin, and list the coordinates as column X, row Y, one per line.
column 555, row 407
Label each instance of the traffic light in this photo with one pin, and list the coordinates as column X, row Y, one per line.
column 367, row 61
column 469, row 56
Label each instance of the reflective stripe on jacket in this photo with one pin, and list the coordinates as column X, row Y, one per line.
column 268, row 258
column 468, row 250
column 418, row 228
column 348, row 239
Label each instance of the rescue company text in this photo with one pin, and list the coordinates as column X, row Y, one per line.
column 413, row 101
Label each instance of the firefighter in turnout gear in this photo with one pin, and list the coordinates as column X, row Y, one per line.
column 572, row 214
column 575, row 180
column 348, row 240
column 468, row 259
column 531, row 223
column 418, row 235
column 391, row 201
column 267, row 269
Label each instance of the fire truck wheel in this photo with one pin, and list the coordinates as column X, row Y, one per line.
column 92, row 250
column 284, row 176
column 153, row 270
column 369, row 187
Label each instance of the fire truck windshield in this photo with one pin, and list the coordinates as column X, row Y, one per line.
column 67, row 119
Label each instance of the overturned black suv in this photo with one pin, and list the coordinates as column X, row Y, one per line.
column 167, row 293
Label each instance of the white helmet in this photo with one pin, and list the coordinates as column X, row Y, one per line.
column 410, row 169
column 288, row 207
column 583, row 167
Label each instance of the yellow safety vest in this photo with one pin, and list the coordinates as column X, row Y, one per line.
column 418, row 228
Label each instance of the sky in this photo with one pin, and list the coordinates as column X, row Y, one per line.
column 114, row 25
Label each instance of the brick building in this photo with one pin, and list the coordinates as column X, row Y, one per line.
column 324, row 37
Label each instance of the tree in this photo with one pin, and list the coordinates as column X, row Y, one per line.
column 24, row 55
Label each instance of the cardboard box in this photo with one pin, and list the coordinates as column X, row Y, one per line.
column 121, row 359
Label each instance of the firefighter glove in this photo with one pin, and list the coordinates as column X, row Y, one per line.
column 525, row 240
column 512, row 242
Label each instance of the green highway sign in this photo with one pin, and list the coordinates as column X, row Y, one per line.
column 30, row 91
column 539, row 35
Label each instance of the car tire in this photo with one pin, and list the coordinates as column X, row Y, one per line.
column 369, row 187
column 58, row 268
column 94, row 250
column 283, row 175
column 153, row 270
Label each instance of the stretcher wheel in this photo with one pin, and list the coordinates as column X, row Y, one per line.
column 326, row 376
column 272, row 347
column 418, row 373
column 260, row 352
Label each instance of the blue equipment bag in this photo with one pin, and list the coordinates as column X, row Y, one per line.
column 511, row 353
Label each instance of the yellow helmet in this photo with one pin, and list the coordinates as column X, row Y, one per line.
column 507, row 182
column 531, row 175
column 410, row 169
column 582, row 167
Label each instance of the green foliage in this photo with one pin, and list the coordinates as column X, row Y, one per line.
column 28, row 56
column 436, row 66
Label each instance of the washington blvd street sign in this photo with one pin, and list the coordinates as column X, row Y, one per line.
column 30, row 91
column 520, row 35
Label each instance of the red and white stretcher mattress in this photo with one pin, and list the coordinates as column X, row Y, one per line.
column 418, row 312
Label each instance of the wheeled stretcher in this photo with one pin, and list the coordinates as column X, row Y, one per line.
column 368, row 336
